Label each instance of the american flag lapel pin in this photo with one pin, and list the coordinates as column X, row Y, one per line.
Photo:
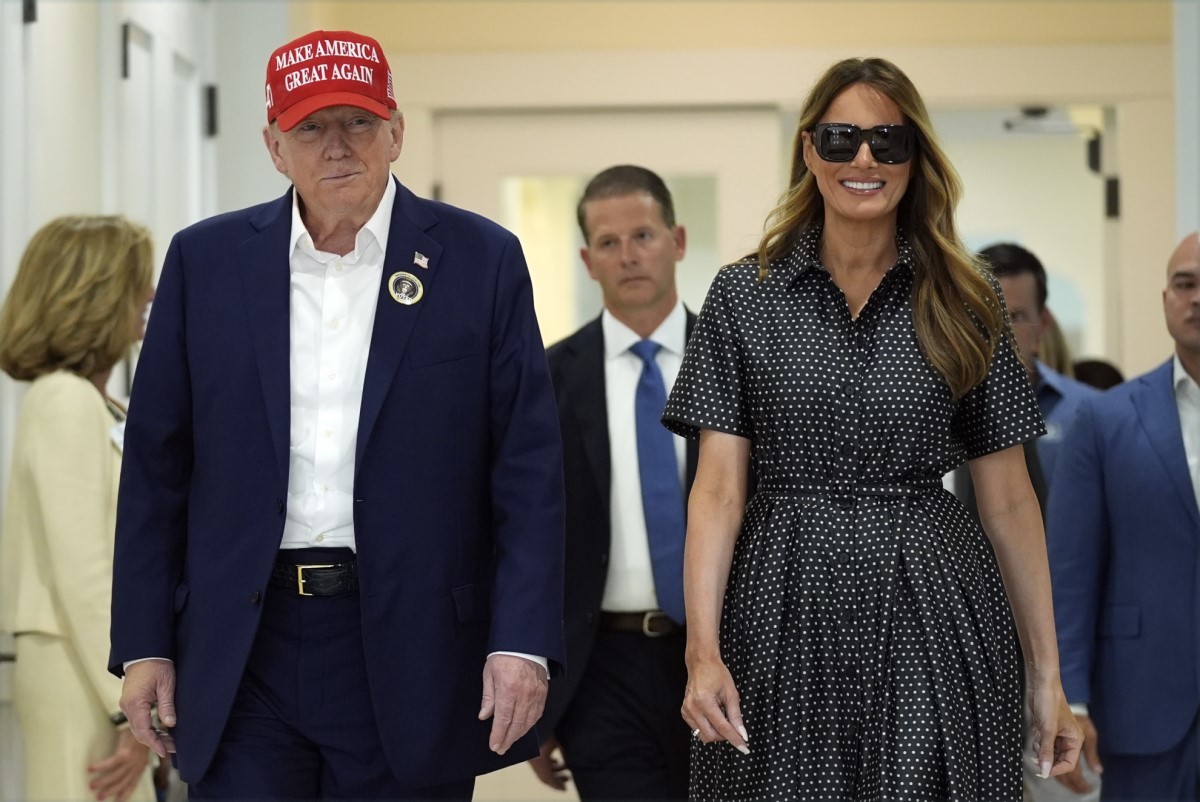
column 421, row 260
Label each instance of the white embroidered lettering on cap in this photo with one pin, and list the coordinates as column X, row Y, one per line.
column 327, row 68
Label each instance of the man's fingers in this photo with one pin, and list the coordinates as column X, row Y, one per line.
column 1091, row 746
column 488, row 704
column 501, row 720
column 166, row 711
column 1074, row 781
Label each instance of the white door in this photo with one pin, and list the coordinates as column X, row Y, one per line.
column 527, row 171
column 158, row 127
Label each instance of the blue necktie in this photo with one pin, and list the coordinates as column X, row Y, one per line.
column 662, row 497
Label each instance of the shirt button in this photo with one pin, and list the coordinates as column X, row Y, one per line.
column 337, row 266
column 324, row 488
column 847, row 449
column 333, row 324
column 843, row 557
column 320, row 538
column 331, row 375
column 849, row 389
column 328, row 433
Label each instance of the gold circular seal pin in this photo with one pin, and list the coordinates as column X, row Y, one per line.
column 405, row 288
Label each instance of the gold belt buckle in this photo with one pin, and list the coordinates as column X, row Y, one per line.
column 649, row 616
column 300, row 577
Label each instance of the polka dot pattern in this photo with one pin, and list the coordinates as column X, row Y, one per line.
column 865, row 622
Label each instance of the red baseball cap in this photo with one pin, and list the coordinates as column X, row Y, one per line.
column 327, row 68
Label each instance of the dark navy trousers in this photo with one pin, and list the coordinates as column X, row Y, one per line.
column 302, row 725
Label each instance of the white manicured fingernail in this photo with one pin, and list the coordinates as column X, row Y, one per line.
column 1045, row 767
column 745, row 750
column 742, row 731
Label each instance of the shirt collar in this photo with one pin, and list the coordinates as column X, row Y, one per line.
column 805, row 255
column 1183, row 382
column 375, row 229
column 1049, row 379
column 670, row 334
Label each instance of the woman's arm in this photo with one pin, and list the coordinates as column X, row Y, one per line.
column 1009, row 512
column 715, row 508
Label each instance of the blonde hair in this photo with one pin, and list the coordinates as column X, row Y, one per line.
column 76, row 303
column 956, row 310
column 1054, row 350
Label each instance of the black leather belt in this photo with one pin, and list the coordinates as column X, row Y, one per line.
column 652, row 623
column 316, row 580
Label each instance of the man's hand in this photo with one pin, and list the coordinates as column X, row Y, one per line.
column 1074, row 780
column 117, row 776
column 514, row 693
column 550, row 770
column 149, row 683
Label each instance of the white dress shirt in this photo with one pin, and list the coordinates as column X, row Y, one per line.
column 1187, row 401
column 630, row 583
column 333, row 299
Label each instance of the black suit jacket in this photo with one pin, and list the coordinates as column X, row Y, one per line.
column 577, row 370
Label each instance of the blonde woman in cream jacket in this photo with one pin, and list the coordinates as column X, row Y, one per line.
column 75, row 308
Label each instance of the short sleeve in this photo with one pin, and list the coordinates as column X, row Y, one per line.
column 1000, row 411
column 710, row 390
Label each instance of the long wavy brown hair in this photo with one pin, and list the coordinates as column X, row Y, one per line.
column 957, row 312
column 76, row 302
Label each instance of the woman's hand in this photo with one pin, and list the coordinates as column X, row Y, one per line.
column 117, row 775
column 1056, row 736
column 711, row 704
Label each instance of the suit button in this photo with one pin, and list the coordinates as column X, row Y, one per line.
column 279, row 505
column 604, row 559
column 254, row 597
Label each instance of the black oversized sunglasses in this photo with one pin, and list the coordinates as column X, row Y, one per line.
column 839, row 142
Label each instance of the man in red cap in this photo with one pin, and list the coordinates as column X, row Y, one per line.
column 339, row 550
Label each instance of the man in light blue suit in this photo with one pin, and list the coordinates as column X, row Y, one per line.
column 339, row 539
column 1124, row 540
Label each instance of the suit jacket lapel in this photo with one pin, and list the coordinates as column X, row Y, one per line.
column 1159, row 416
column 266, row 292
column 587, row 390
column 393, row 321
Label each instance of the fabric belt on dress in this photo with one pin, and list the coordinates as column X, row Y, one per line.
column 651, row 623
column 333, row 579
column 850, row 492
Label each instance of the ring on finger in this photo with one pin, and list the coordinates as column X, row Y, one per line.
column 696, row 733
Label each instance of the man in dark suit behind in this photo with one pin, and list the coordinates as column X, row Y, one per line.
column 616, row 714
column 339, row 537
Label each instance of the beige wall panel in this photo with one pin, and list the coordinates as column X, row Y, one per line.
column 1147, row 234
column 542, row 25
column 968, row 76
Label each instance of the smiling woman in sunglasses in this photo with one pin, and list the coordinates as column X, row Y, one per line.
column 849, row 627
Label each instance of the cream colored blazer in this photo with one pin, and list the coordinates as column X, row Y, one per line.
column 56, row 545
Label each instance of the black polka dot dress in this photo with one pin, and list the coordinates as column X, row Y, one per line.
column 865, row 623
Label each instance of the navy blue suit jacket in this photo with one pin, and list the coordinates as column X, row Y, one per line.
column 1124, row 533
column 458, row 512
